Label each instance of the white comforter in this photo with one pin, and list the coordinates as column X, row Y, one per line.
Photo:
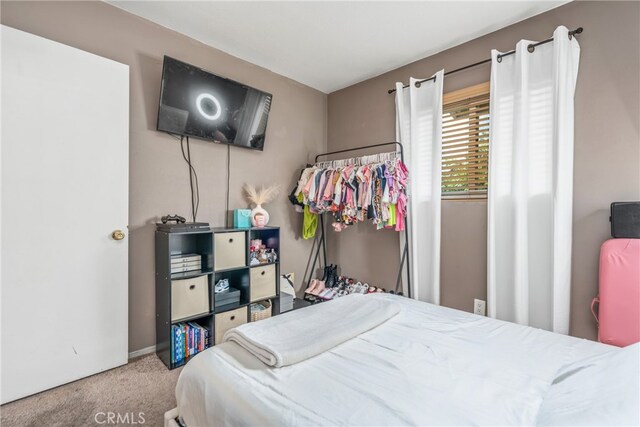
column 428, row 365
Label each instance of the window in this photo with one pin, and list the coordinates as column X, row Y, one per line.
column 465, row 143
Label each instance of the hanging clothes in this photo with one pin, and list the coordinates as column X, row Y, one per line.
column 356, row 191
column 309, row 222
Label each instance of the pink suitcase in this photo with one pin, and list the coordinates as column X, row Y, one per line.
column 619, row 294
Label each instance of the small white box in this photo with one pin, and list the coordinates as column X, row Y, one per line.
column 180, row 258
column 285, row 285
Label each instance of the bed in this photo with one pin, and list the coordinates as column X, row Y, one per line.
column 426, row 365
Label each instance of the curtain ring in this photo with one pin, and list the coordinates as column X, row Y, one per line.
column 418, row 84
column 531, row 48
column 499, row 58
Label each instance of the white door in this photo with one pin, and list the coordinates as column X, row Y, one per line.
column 64, row 190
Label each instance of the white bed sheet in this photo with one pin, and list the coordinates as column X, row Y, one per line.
column 428, row 365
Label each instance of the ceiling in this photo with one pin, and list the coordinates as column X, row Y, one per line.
column 331, row 45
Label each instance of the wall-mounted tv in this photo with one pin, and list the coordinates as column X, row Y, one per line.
column 196, row 103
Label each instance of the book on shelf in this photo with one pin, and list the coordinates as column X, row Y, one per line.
column 178, row 351
column 188, row 339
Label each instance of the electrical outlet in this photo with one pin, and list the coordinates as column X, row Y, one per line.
column 479, row 307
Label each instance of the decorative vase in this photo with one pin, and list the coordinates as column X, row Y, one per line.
column 259, row 217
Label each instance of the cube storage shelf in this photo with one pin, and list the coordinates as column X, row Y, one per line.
column 225, row 254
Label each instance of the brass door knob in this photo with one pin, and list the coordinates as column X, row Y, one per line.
column 117, row 235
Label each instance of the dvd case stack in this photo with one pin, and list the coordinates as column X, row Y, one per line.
column 189, row 338
column 182, row 263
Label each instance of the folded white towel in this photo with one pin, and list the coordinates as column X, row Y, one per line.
column 296, row 336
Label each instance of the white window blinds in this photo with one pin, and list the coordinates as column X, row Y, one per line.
column 465, row 143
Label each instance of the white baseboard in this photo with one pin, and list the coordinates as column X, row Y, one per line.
column 142, row 352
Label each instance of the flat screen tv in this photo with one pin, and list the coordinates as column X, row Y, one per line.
column 196, row 103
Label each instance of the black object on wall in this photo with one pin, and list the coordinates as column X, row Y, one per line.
column 194, row 102
column 625, row 220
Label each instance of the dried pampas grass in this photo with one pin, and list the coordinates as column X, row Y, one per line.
column 261, row 196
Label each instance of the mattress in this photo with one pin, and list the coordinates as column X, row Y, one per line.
column 429, row 365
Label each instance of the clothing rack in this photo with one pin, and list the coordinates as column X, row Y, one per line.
column 531, row 47
column 404, row 260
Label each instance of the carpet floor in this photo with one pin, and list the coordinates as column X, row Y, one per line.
column 144, row 385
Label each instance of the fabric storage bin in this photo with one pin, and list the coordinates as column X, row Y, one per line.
column 227, row 320
column 230, row 250
column 242, row 218
column 189, row 297
column 263, row 282
column 261, row 313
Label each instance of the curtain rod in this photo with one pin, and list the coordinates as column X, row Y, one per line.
column 530, row 48
column 364, row 147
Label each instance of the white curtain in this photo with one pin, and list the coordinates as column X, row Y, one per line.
column 531, row 183
column 419, row 129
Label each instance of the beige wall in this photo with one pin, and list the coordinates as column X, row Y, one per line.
column 607, row 151
column 158, row 174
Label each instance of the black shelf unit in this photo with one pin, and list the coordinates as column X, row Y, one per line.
column 239, row 273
